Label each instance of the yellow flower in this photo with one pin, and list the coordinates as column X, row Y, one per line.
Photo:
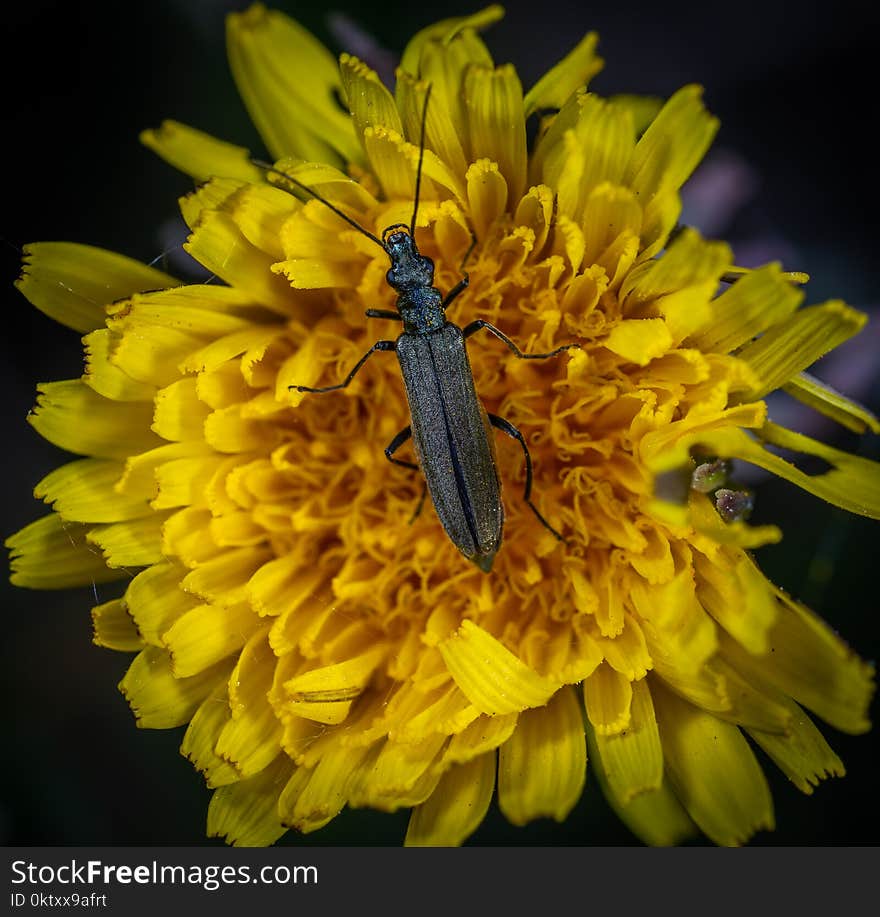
column 322, row 651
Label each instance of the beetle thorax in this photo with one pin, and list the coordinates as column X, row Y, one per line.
column 412, row 275
column 421, row 310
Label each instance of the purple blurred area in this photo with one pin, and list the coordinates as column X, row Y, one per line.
column 792, row 176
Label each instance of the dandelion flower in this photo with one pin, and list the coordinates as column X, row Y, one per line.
column 321, row 651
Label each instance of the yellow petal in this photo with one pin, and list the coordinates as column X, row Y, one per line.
column 245, row 813
column 642, row 108
column 793, row 345
column 738, row 596
column 84, row 491
column 852, row 483
column 609, row 211
column 667, row 448
column 224, row 579
column 655, row 815
column 486, row 733
column 114, row 628
column 574, row 71
column 713, row 770
column 456, row 807
column 73, row 417
column 810, row 663
column 677, row 628
column 654, row 564
column 199, row 154
column 201, row 737
column 133, row 543
column 289, row 83
column 543, row 765
column 158, row 699
column 237, row 530
column 326, row 789
column 105, row 377
column 487, row 195
column 318, row 273
column 207, row 635
column 749, row 307
column 227, row 430
column 639, row 340
column 665, row 156
column 309, row 234
column 251, row 737
column 627, row 652
column 331, row 183
column 660, row 217
column 326, row 694
column 588, row 147
column 690, row 261
column 179, row 414
column 300, row 625
column 281, row 586
column 571, row 237
column 608, row 697
column 747, row 704
column 401, row 775
column 183, row 482
column 223, row 387
column 215, row 354
column 535, row 212
column 150, row 352
column 491, row 677
column 568, row 660
column 187, row 536
column 443, row 32
column 801, row 753
column 396, row 162
column 155, row 600
column 449, row 715
column 370, row 103
column 141, row 472
column 822, row 397
column 496, row 122
column 631, row 759
column 204, row 310
column 441, row 134
column 259, row 211
column 72, row 283
column 673, row 144
column 220, row 246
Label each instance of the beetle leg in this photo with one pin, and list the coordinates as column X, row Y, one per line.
column 420, row 505
column 379, row 345
column 462, row 284
column 507, row 427
column 460, row 287
column 390, row 449
column 395, row 444
column 383, row 313
column 479, row 323
column 467, row 254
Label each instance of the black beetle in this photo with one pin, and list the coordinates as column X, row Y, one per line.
column 448, row 425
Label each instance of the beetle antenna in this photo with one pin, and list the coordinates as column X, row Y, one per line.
column 412, row 227
column 268, row 167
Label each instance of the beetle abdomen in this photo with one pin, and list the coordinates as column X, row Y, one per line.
column 451, row 439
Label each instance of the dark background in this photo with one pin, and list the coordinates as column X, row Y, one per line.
column 795, row 87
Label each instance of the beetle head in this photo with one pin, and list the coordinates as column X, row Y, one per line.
column 409, row 269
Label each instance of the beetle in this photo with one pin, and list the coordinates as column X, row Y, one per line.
column 449, row 427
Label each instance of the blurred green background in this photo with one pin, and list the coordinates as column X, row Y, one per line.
column 794, row 177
